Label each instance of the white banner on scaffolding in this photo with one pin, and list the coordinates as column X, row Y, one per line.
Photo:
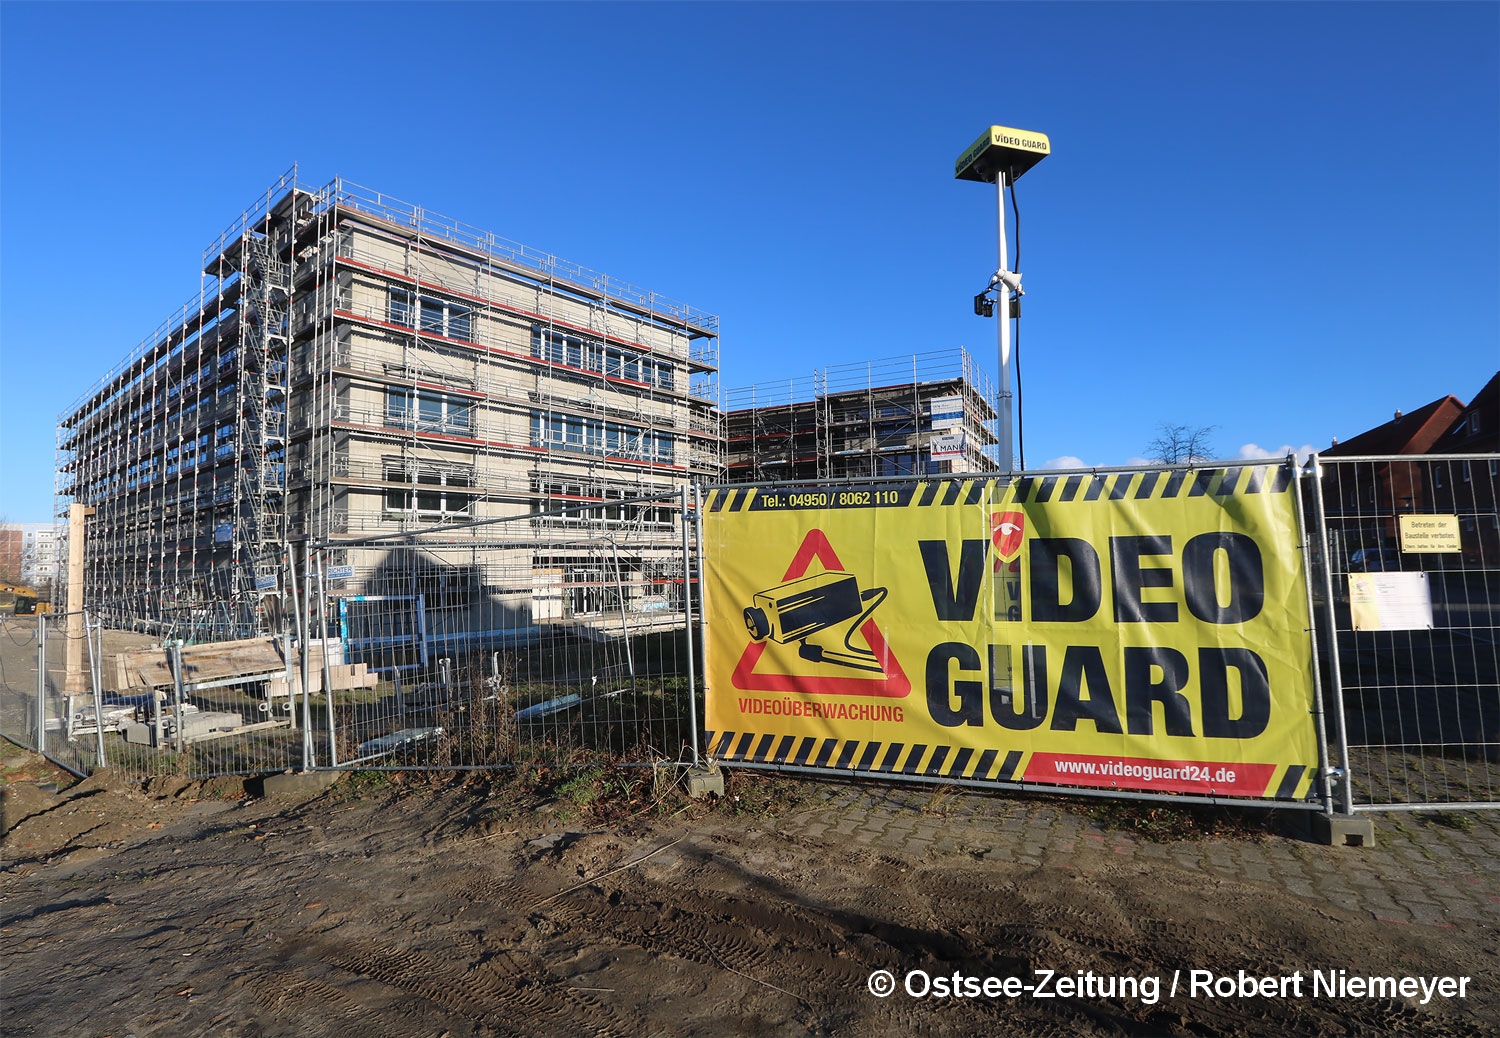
column 947, row 412
column 947, row 445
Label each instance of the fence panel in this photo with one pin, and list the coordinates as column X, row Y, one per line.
column 1123, row 633
column 18, row 678
column 1409, row 586
column 560, row 637
column 46, row 697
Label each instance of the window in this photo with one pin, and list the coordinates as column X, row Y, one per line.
column 429, row 412
column 1494, row 467
column 905, row 464
column 1467, row 474
column 432, row 316
column 400, row 312
column 1474, row 423
column 433, row 492
column 558, row 347
column 595, row 503
column 437, row 316
column 585, row 591
column 1437, row 475
column 596, row 436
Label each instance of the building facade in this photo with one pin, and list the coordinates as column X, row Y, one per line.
column 922, row 415
column 12, row 553
column 28, row 555
column 354, row 366
column 39, row 557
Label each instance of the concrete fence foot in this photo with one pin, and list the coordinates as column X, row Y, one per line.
column 703, row 781
column 299, row 783
column 1343, row 830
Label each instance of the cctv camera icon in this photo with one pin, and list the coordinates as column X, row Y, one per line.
column 828, row 602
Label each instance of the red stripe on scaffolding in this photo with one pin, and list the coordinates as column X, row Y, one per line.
column 510, row 308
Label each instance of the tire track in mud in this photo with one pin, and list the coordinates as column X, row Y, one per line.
column 520, row 979
column 294, row 998
column 819, row 955
column 496, row 989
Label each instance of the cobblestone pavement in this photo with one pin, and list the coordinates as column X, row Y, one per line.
column 1425, row 868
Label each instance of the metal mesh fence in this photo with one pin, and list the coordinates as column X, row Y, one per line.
column 562, row 635
column 1408, row 588
column 44, row 705
column 570, row 635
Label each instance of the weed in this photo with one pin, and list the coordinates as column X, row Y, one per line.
column 938, row 801
column 1453, row 820
column 360, row 782
column 584, row 788
column 1164, row 823
column 756, row 794
column 627, row 787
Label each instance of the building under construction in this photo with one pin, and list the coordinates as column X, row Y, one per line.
column 353, row 366
column 912, row 416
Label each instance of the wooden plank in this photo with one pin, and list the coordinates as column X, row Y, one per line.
column 204, row 662
column 225, row 660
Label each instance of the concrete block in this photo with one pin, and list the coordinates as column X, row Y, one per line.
column 1343, row 830
column 703, row 781
column 299, row 783
column 204, row 723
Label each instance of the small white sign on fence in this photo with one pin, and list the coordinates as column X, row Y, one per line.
column 1390, row 602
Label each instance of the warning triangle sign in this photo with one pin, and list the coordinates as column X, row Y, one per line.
column 893, row 683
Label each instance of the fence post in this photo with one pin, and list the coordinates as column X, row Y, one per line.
column 1335, row 675
column 179, row 727
column 1325, row 772
column 333, row 742
column 687, row 612
column 291, row 566
column 702, row 606
column 41, row 683
column 96, row 680
column 624, row 624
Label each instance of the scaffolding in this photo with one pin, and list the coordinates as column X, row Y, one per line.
column 354, row 365
column 862, row 420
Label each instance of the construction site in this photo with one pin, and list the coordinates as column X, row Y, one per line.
column 385, row 468
column 354, row 366
column 928, row 414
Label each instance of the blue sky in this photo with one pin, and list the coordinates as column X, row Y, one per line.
column 1281, row 220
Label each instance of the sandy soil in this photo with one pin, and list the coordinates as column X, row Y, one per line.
column 480, row 906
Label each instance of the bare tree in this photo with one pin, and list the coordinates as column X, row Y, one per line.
column 1181, row 444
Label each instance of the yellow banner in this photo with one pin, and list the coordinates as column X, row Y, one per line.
column 1138, row 630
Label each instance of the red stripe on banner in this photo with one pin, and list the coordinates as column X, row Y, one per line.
column 1165, row 776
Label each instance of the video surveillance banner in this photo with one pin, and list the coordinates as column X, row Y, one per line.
column 1140, row 631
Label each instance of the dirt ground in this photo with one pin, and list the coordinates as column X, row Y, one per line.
column 594, row 904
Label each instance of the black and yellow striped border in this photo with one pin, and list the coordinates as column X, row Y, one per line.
column 1153, row 485
column 1292, row 782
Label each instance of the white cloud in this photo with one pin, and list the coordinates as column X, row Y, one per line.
column 1067, row 461
column 1255, row 452
column 1140, row 463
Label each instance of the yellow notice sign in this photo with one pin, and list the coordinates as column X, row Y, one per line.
column 1138, row 630
column 1429, row 533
